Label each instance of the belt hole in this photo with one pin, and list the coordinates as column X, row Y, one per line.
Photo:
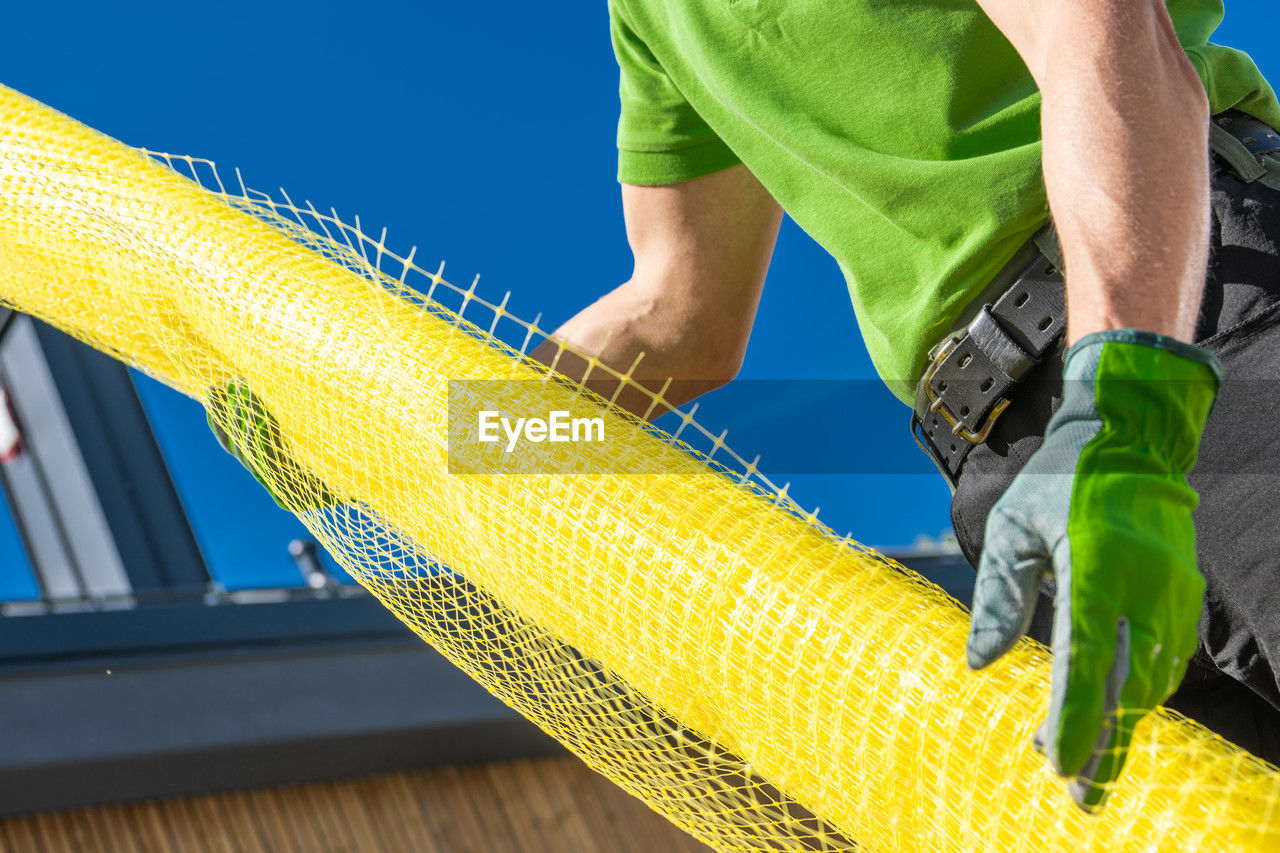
column 953, row 448
column 1046, row 323
column 1022, row 299
column 986, row 386
column 942, row 386
column 964, row 411
column 965, row 359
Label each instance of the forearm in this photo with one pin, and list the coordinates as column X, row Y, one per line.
column 1124, row 120
column 631, row 323
column 1125, row 129
column 702, row 249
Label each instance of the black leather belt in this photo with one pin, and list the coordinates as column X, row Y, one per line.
column 964, row 388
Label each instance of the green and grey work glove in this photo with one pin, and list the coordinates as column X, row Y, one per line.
column 251, row 434
column 1105, row 507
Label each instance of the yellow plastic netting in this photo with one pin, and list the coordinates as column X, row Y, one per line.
column 687, row 630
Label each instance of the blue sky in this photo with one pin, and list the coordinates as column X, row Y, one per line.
column 484, row 135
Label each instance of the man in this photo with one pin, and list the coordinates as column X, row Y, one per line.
column 925, row 144
column 919, row 143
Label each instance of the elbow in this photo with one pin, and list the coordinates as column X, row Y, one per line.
column 710, row 358
column 720, row 354
column 699, row 344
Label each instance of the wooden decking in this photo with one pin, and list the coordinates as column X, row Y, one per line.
column 546, row 806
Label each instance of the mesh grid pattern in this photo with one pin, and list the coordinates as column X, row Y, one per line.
column 690, row 632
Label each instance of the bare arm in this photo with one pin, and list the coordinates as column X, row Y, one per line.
column 1125, row 126
column 702, row 249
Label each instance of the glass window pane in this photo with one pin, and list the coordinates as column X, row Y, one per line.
column 17, row 583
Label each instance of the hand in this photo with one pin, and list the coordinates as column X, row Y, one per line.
column 1104, row 505
column 251, row 434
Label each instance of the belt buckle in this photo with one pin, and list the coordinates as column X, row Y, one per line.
column 938, row 406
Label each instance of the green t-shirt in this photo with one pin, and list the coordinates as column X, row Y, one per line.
column 904, row 136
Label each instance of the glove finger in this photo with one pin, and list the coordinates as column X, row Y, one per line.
column 218, row 413
column 1094, row 782
column 249, row 432
column 1014, row 562
column 256, row 423
column 257, row 439
column 1089, row 672
column 224, row 440
column 1091, row 788
column 234, row 416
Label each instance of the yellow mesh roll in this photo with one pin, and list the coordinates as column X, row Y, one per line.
column 761, row 682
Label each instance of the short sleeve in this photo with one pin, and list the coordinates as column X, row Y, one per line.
column 661, row 138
